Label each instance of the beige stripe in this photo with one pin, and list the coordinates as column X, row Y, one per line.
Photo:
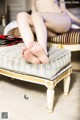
column 67, row 38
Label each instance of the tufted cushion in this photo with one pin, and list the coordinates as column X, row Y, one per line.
column 11, row 59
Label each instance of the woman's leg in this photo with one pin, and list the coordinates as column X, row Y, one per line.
column 40, row 29
column 57, row 22
column 49, row 32
column 24, row 22
column 35, row 50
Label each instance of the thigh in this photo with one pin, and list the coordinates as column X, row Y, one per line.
column 24, row 17
column 57, row 22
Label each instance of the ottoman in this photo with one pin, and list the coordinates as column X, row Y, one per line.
column 59, row 68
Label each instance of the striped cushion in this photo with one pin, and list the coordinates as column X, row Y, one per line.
column 70, row 38
column 11, row 59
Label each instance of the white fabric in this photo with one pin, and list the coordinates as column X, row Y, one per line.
column 10, row 26
column 75, row 26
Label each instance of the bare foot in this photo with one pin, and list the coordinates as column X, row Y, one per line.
column 23, row 48
column 39, row 52
column 29, row 57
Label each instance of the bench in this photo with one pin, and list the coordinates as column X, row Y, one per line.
column 59, row 68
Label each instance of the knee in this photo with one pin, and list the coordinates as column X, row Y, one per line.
column 35, row 15
column 22, row 15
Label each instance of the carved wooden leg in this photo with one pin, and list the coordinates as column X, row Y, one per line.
column 66, row 85
column 50, row 99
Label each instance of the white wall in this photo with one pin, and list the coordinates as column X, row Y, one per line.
column 15, row 6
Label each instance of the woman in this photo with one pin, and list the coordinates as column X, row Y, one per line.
column 48, row 18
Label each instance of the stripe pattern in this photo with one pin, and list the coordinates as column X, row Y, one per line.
column 11, row 59
column 70, row 38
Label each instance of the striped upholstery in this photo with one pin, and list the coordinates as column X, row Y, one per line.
column 11, row 59
column 70, row 38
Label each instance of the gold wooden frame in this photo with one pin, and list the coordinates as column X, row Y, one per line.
column 50, row 84
column 33, row 79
